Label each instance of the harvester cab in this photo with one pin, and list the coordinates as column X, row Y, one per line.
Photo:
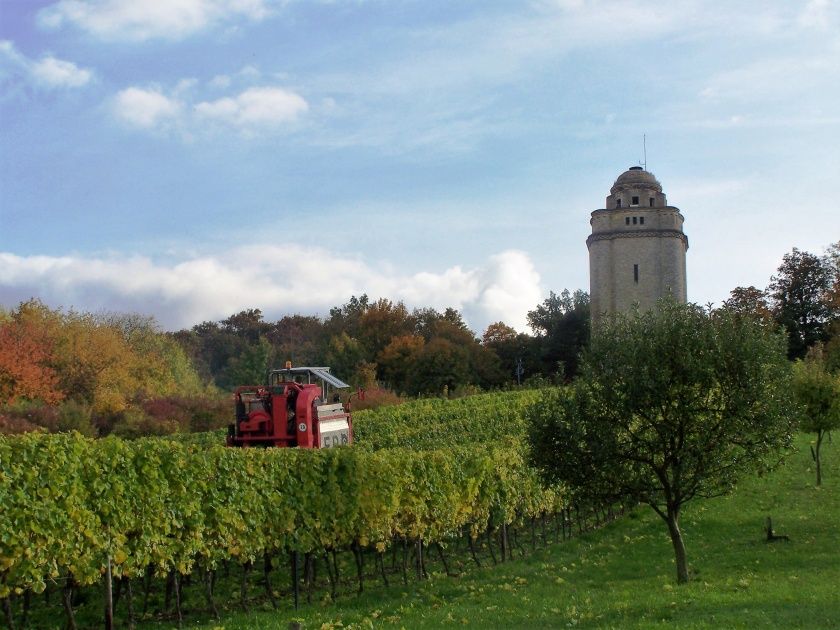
column 298, row 406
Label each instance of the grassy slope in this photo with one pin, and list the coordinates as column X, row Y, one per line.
column 623, row 576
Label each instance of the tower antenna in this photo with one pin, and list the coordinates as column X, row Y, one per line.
column 644, row 148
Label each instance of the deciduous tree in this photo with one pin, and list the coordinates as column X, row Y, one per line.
column 818, row 393
column 800, row 300
column 561, row 324
column 671, row 405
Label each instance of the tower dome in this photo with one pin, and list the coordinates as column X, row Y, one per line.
column 637, row 247
column 636, row 177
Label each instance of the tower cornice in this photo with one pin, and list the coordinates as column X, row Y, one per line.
column 614, row 234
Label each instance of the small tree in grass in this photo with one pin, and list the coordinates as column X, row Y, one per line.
column 818, row 393
column 671, row 405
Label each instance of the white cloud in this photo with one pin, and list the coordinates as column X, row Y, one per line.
column 132, row 20
column 47, row 72
column 255, row 107
column 278, row 280
column 145, row 108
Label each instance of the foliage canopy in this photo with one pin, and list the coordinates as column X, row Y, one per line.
column 671, row 405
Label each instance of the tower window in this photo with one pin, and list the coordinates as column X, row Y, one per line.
column 634, row 201
column 626, row 220
column 641, row 220
column 636, row 274
column 651, row 202
column 635, row 220
column 618, row 203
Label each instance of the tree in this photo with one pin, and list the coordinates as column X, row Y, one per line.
column 561, row 324
column 671, row 405
column 818, row 393
column 749, row 302
column 396, row 359
column 25, row 364
column 440, row 366
column 799, row 294
column 250, row 367
column 382, row 321
column 346, row 357
column 297, row 338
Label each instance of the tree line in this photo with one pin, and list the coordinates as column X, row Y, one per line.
column 103, row 373
column 381, row 343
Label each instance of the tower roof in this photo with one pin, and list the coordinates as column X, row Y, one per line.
column 636, row 177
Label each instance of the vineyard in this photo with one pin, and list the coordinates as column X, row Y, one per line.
column 77, row 512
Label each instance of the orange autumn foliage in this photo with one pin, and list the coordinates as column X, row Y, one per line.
column 25, row 364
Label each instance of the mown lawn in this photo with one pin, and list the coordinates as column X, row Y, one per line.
column 623, row 575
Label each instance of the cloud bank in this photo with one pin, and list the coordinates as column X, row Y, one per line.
column 277, row 280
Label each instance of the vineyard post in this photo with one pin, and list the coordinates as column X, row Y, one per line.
column 109, row 595
column 295, row 577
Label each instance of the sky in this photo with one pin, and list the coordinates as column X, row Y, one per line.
column 188, row 159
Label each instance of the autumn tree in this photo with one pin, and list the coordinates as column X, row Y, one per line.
column 26, row 358
column 671, row 405
column 396, row 359
column 749, row 302
column 382, row 321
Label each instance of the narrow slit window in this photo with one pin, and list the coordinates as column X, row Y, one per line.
column 641, row 220
column 651, row 202
column 635, row 220
column 636, row 274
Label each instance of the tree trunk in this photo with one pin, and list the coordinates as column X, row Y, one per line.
column 7, row 609
column 672, row 519
column 820, row 435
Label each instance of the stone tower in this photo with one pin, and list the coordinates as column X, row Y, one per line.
column 637, row 247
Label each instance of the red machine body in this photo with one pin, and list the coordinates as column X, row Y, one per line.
column 290, row 411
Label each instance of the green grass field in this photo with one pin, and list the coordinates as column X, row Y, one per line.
column 623, row 576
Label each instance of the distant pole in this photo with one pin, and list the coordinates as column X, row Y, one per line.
column 644, row 147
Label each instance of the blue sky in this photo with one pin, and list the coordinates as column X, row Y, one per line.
column 190, row 158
